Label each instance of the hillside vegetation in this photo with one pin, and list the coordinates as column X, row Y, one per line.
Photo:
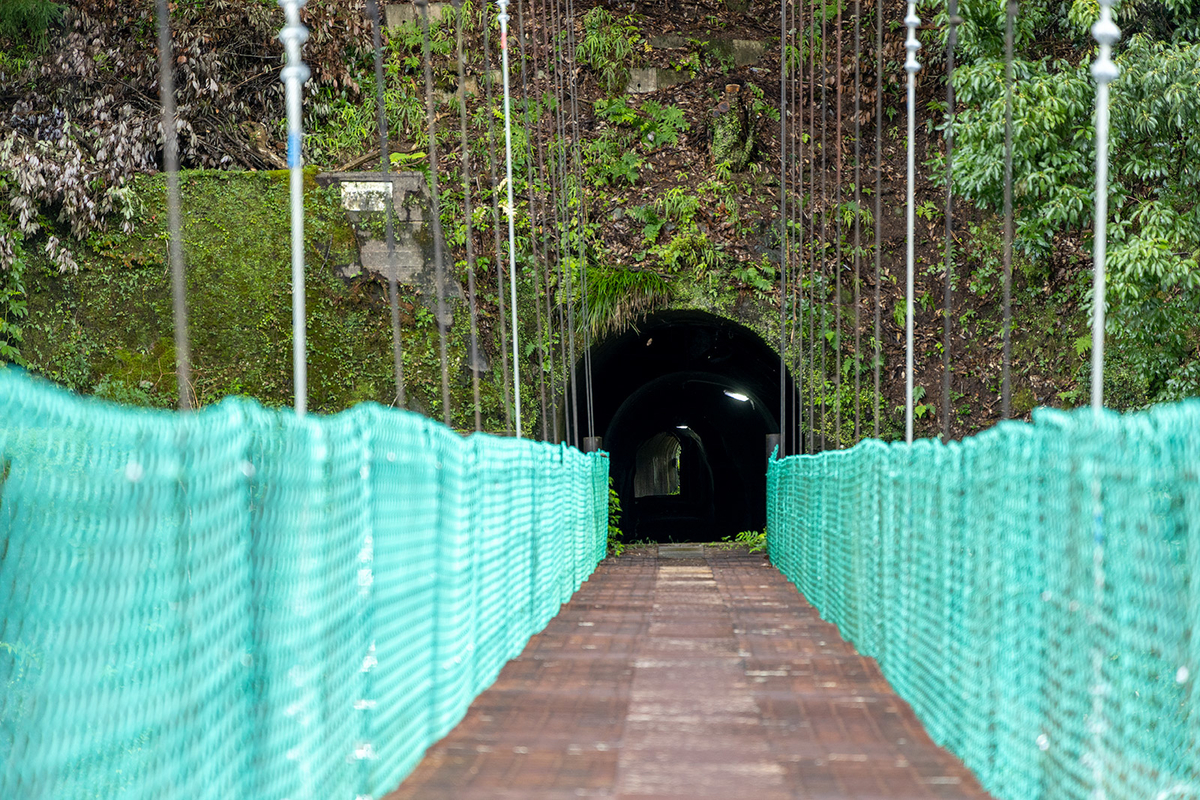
column 680, row 189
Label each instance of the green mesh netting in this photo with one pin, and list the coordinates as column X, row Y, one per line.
column 240, row 603
column 1031, row 591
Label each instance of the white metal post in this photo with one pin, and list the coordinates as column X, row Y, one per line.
column 512, row 234
column 293, row 36
column 912, row 67
column 1105, row 72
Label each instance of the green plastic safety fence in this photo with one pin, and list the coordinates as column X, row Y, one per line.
column 241, row 603
column 1033, row 592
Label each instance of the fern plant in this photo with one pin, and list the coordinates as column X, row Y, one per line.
column 607, row 47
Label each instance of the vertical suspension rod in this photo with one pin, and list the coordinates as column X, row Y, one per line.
column 389, row 228
column 796, row 392
column 857, row 220
column 837, row 261
column 824, row 224
column 878, row 198
column 953, row 20
column 577, row 151
column 1106, row 33
column 439, row 242
column 473, row 308
column 166, row 93
column 541, row 330
column 1104, row 71
column 512, row 230
column 783, row 229
column 491, row 144
column 813, row 273
column 544, row 216
column 294, row 75
column 911, row 66
column 1006, row 358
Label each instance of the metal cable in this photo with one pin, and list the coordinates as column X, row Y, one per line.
column 813, row 271
column 511, row 210
column 556, row 17
column 435, row 213
column 824, row 226
column 470, row 232
column 1005, row 379
column 166, row 94
column 491, row 144
column 547, row 272
column 539, row 326
column 554, row 178
column 857, row 220
column 581, row 217
column 783, row 228
column 389, row 227
column 837, row 261
column 554, row 172
column 878, row 200
column 953, row 20
column 911, row 66
column 796, row 393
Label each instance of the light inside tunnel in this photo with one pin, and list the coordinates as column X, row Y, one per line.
column 688, row 464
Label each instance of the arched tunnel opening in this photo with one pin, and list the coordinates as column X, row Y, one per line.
column 685, row 402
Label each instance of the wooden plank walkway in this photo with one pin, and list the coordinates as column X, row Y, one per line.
column 689, row 678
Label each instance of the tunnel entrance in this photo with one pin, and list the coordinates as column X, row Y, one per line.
column 685, row 402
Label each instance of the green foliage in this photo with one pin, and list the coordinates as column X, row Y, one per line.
column 608, row 163
column 756, row 541
column 615, row 546
column 27, row 21
column 652, row 221
column 13, row 310
column 760, row 276
column 679, row 203
column 1154, row 201
column 607, row 46
column 615, row 156
column 617, row 297
column 107, row 329
column 654, row 125
column 922, row 410
column 688, row 249
column 13, row 306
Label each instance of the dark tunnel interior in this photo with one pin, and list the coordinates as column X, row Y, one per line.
column 685, row 402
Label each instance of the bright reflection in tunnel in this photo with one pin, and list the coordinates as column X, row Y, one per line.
column 688, row 464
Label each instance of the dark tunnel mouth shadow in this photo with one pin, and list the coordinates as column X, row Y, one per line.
column 684, row 402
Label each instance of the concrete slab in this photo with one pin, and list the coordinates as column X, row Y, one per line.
column 681, row 551
column 364, row 196
column 644, row 80
column 395, row 14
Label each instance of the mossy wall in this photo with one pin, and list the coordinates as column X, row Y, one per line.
column 108, row 329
